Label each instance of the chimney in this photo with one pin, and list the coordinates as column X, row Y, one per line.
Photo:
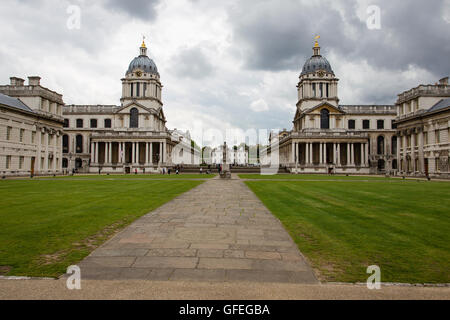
column 16, row 81
column 444, row 81
column 34, row 81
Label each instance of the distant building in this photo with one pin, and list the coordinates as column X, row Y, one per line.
column 330, row 137
column 236, row 156
column 126, row 138
column 31, row 129
column 423, row 130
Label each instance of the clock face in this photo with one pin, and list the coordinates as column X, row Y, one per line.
column 138, row 73
column 321, row 73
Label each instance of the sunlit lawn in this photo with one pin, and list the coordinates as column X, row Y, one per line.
column 47, row 225
column 344, row 226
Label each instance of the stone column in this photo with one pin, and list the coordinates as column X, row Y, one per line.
column 421, row 156
column 293, row 148
column 334, row 153
column 119, row 152
column 362, row 154
column 92, row 152
column 405, row 152
column 46, row 151
column 160, row 153
column 348, row 154
column 137, row 152
column 106, row 152
column 325, row 153
column 366, row 159
column 96, row 152
column 399, row 160
column 151, row 152
column 133, row 153
column 146, row 153
column 353, row 154
column 413, row 152
column 338, row 154
column 321, row 153
column 311, row 156
column 307, row 153
column 110, row 152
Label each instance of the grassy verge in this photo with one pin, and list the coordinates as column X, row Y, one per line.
column 343, row 227
column 47, row 225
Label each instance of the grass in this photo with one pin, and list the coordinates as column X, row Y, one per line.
column 344, row 226
column 47, row 225
column 183, row 176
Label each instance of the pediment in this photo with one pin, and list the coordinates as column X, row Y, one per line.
column 324, row 105
column 142, row 109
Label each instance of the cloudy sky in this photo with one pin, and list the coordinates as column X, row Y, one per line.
column 228, row 64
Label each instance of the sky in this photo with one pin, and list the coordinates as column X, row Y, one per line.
column 228, row 65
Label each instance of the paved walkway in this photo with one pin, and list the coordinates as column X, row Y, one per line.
column 218, row 231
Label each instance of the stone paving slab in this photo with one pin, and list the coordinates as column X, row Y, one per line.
column 218, row 231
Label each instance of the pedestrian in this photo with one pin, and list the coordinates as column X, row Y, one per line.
column 201, row 170
column 135, row 171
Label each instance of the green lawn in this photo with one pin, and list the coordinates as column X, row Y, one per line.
column 47, row 225
column 182, row 176
column 344, row 226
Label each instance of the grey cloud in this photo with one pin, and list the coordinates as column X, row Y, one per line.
column 278, row 36
column 143, row 9
column 192, row 63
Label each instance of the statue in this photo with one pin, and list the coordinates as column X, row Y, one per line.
column 225, row 173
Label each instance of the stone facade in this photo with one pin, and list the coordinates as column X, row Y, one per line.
column 423, row 130
column 31, row 129
column 128, row 138
column 331, row 138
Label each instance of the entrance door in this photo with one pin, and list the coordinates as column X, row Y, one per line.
column 127, row 170
column 33, row 160
column 426, row 166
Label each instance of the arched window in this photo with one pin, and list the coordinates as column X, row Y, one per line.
column 65, row 143
column 79, row 144
column 325, row 119
column 380, row 145
column 134, row 118
column 394, row 145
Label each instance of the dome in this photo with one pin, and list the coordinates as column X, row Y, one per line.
column 143, row 63
column 316, row 63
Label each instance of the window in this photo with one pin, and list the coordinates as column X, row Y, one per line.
column 132, row 89
column 145, row 90
column 325, row 119
column 314, row 89
column 138, row 89
column 351, row 124
column 21, row 162
column 93, row 123
column 65, row 163
column 79, row 123
column 380, row 124
column 437, row 136
column 22, row 131
column 66, row 123
column 134, row 118
column 65, row 143
column 393, row 124
column 328, row 90
column 394, row 146
column 366, row 124
column 79, row 144
column 107, row 123
column 8, row 133
column 8, row 162
column 321, row 89
column 380, row 145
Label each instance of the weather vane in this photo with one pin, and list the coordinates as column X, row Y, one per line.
column 316, row 38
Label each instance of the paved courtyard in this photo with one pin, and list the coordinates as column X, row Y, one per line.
column 218, row 231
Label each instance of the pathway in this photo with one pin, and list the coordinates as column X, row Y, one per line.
column 218, row 231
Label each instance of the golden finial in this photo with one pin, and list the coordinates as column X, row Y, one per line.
column 143, row 42
column 316, row 44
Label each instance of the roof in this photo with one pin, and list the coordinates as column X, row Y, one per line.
column 444, row 103
column 144, row 63
column 14, row 103
column 316, row 63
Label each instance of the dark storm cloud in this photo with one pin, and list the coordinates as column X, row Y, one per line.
column 278, row 37
column 192, row 63
column 142, row 9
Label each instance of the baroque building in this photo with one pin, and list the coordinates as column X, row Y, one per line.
column 328, row 137
column 423, row 125
column 131, row 137
column 31, row 129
